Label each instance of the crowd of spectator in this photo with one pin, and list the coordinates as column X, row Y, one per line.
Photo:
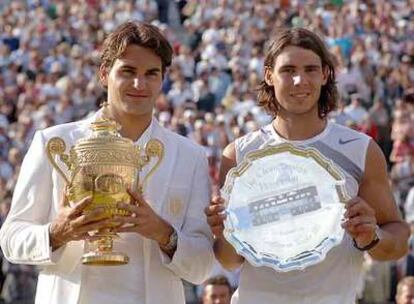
column 49, row 55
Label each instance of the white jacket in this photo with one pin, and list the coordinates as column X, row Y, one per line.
column 182, row 175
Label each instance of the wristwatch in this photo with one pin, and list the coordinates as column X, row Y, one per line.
column 172, row 243
column 374, row 242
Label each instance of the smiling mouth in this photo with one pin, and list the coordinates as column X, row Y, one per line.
column 137, row 96
column 300, row 95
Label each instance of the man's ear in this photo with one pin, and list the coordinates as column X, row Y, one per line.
column 325, row 73
column 103, row 76
column 268, row 76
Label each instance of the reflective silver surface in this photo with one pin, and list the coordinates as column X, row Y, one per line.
column 284, row 207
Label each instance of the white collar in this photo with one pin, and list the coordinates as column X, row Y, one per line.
column 146, row 136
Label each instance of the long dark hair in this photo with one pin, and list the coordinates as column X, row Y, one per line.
column 306, row 39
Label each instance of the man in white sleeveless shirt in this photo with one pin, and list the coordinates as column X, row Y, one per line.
column 166, row 237
column 299, row 91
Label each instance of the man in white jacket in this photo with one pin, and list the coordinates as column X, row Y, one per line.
column 166, row 239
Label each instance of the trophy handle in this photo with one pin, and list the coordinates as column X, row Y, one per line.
column 153, row 147
column 57, row 146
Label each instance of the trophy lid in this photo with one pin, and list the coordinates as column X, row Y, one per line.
column 104, row 125
column 105, row 146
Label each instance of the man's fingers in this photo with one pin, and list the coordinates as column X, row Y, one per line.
column 217, row 200
column 90, row 217
column 96, row 214
column 213, row 209
column 80, row 206
column 64, row 202
column 133, row 220
column 137, row 198
column 359, row 220
column 364, row 228
column 216, row 220
column 87, row 227
column 81, row 236
column 130, row 228
column 134, row 210
column 357, row 207
column 351, row 202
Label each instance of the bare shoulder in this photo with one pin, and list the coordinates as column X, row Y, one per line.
column 228, row 161
column 376, row 164
column 230, row 151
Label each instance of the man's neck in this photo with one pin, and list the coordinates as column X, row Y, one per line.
column 298, row 129
column 134, row 130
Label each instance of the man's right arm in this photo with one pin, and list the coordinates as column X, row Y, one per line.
column 32, row 230
column 24, row 235
column 223, row 250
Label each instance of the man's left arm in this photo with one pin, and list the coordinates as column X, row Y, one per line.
column 193, row 257
column 185, row 249
column 373, row 218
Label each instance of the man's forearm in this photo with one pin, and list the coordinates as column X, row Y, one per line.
column 227, row 255
column 392, row 244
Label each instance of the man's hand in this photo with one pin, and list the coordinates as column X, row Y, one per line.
column 72, row 223
column 224, row 252
column 360, row 222
column 216, row 217
column 143, row 220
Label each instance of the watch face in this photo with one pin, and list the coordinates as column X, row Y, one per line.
column 173, row 241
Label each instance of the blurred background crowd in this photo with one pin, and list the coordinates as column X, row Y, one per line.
column 49, row 55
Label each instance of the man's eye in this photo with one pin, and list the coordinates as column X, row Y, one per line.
column 152, row 74
column 128, row 72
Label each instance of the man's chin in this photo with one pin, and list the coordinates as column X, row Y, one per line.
column 132, row 111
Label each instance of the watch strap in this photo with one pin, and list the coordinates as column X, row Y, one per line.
column 371, row 245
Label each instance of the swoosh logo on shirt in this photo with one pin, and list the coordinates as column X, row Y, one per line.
column 346, row 141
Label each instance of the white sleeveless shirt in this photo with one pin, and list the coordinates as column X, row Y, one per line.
column 338, row 277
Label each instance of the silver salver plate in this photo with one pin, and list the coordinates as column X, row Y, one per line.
column 284, row 207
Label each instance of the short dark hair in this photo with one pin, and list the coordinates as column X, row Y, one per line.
column 218, row 280
column 306, row 39
column 140, row 33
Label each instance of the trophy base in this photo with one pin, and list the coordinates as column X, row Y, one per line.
column 96, row 258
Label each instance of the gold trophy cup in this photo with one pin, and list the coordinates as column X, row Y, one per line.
column 103, row 166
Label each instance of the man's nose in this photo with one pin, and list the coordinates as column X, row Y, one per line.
column 139, row 82
column 296, row 79
column 299, row 78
